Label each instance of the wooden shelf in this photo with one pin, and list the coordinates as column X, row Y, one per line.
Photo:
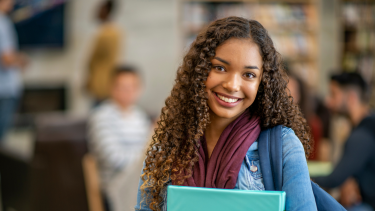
column 301, row 58
column 359, row 1
column 287, row 28
column 367, row 27
column 363, row 24
column 361, row 51
column 272, row 30
column 255, row 1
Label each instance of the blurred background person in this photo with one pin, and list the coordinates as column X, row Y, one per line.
column 11, row 63
column 104, row 54
column 348, row 96
column 118, row 129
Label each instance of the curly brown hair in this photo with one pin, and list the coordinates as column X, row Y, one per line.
column 185, row 116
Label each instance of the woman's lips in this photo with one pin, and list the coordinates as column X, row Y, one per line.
column 227, row 101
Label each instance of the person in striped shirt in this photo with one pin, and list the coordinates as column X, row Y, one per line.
column 118, row 129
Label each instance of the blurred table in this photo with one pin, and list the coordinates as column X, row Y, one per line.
column 317, row 168
column 56, row 172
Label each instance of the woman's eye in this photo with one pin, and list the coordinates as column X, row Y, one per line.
column 219, row 68
column 249, row 75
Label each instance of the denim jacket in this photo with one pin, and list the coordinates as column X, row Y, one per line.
column 296, row 179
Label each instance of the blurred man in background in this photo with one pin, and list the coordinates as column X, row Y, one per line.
column 104, row 54
column 118, row 129
column 349, row 97
column 11, row 61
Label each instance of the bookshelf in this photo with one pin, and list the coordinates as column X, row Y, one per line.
column 292, row 25
column 358, row 29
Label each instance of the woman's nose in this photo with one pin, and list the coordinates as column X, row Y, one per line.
column 233, row 83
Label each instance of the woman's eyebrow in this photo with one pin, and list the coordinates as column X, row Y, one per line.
column 251, row 67
column 222, row 60
column 226, row 62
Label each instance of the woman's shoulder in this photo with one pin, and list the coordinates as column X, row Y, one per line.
column 286, row 130
column 291, row 142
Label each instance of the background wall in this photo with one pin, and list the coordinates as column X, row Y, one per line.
column 329, row 41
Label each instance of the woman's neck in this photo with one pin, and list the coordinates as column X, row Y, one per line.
column 215, row 129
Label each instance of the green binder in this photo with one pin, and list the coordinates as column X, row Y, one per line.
column 182, row 198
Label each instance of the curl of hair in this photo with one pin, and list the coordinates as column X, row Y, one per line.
column 185, row 116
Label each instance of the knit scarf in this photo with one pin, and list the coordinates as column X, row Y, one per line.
column 222, row 168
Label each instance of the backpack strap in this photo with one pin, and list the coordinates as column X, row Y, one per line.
column 270, row 155
column 270, row 148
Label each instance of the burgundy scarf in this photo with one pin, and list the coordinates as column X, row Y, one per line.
column 222, row 168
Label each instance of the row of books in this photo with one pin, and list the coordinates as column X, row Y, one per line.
column 271, row 15
column 295, row 45
column 357, row 15
column 275, row 17
column 360, row 40
column 363, row 63
column 291, row 45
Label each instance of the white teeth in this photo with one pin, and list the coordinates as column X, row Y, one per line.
column 228, row 100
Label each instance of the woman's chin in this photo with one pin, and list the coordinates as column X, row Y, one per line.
column 225, row 113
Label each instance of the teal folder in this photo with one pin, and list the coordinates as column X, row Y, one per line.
column 182, row 198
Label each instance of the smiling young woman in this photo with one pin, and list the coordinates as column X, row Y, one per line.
column 230, row 86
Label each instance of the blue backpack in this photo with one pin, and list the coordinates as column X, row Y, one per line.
column 270, row 154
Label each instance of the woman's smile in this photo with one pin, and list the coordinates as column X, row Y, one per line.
column 227, row 100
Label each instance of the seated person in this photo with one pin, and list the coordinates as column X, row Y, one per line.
column 349, row 97
column 118, row 129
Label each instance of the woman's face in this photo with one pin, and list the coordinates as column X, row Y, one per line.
column 233, row 82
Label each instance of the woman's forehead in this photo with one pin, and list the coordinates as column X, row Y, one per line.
column 239, row 51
